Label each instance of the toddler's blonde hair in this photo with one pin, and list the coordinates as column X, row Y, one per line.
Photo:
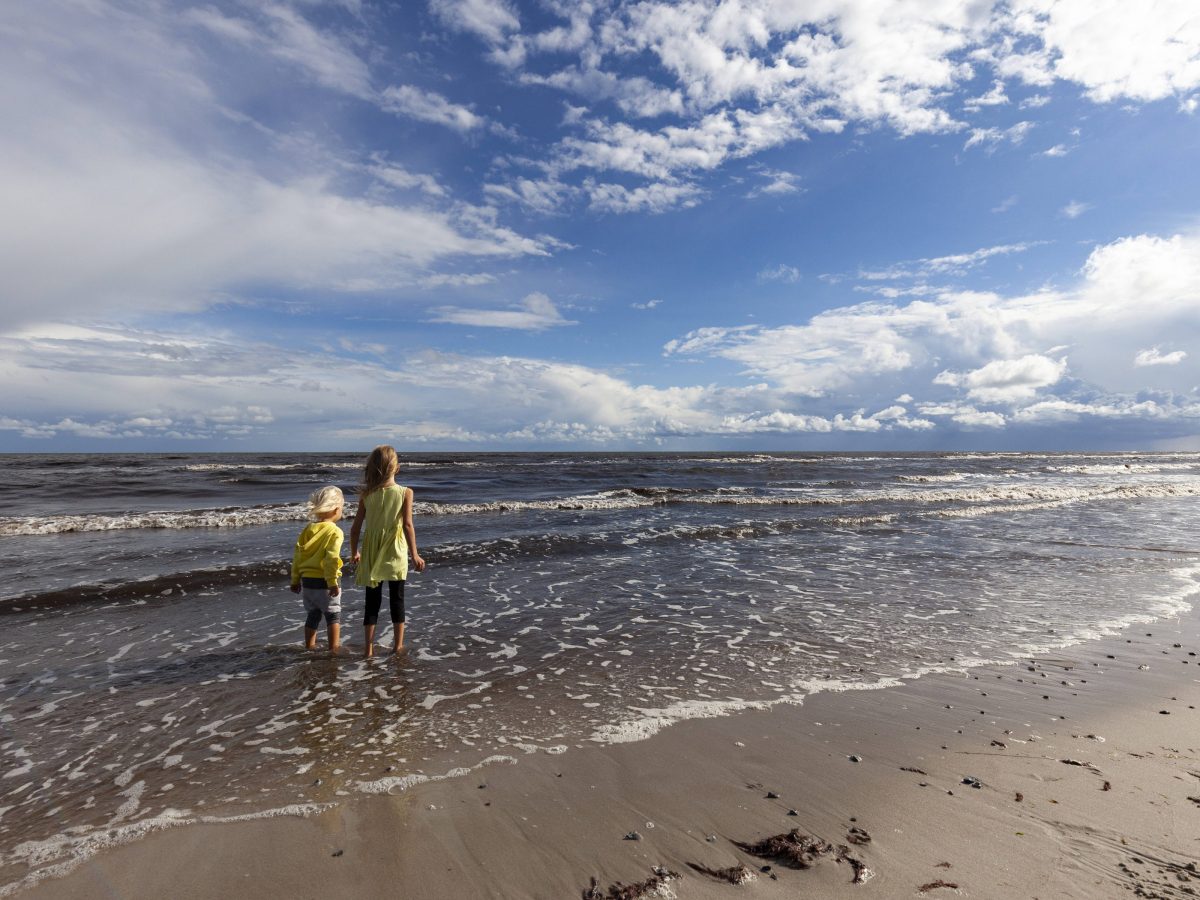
column 324, row 500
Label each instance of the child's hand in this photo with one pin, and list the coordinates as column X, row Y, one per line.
column 295, row 588
column 356, row 557
column 335, row 592
column 419, row 563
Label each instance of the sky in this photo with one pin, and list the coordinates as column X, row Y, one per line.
column 491, row 225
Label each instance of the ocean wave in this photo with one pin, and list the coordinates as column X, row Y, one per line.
column 224, row 517
column 617, row 500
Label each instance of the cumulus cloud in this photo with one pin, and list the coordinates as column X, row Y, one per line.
column 981, row 349
column 737, row 77
column 1154, row 357
column 1007, row 380
column 536, row 312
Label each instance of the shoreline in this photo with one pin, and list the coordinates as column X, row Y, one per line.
column 545, row 827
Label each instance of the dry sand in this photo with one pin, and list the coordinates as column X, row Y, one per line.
column 1087, row 789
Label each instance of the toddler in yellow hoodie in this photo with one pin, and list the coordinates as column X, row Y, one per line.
column 317, row 566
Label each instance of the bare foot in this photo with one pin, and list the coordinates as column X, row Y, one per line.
column 369, row 652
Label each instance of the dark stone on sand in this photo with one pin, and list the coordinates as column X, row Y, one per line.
column 1163, row 712
column 337, row 852
column 771, row 795
column 854, row 757
column 972, row 781
column 633, row 836
column 482, row 786
column 792, row 812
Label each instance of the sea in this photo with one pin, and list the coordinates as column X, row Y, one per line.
column 151, row 663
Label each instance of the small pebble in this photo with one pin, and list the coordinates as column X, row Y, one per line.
column 771, row 795
column 633, row 836
column 792, row 812
column 854, row 757
column 337, row 852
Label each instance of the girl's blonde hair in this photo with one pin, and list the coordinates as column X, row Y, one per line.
column 381, row 467
column 324, row 500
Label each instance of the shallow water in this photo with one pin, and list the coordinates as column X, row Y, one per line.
column 151, row 662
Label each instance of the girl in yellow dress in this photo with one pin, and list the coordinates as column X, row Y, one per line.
column 390, row 538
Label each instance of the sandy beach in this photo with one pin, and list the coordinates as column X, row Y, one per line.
column 1069, row 776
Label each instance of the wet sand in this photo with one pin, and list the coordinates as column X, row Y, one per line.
column 1087, row 766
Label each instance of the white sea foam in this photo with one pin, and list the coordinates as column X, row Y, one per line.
column 398, row 783
column 59, row 855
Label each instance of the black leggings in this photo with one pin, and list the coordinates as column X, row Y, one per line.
column 395, row 601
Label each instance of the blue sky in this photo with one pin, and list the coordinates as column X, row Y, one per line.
column 482, row 224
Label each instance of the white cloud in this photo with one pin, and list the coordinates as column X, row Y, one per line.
column 491, row 20
column 995, row 97
column 782, row 272
column 142, row 216
column 457, row 279
column 990, row 138
column 1057, row 150
column 1114, row 51
column 429, row 106
column 1075, row 209
column 954, row 263
column 1006, row 204
column 399, row 177
column 649, row 304
column 653, row 198
column 778, row 182
column 1007, row 380
column 1154, row 357
column 984, row 347
column 535, row 313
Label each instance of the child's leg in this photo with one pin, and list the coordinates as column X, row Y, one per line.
column 310, row 624
column 371, row 616
column 396, row 604
column 335, row 635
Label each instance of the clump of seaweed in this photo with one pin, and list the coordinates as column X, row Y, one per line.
column 658, row 884
column 738, row 874
column 926, row 888
column 799, row 851
column 803, row 851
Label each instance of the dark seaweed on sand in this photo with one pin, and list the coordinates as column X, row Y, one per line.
column 926, row 888
column 802, row 851
column 738, row 874
column 620, row 891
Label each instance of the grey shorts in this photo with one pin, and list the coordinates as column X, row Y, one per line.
column 317, row 601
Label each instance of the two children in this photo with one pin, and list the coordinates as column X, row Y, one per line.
column 385, row 509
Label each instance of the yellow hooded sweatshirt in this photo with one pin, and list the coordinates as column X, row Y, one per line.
column 318, row 553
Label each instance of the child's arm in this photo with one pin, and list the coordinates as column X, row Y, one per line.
column 355, row 528
column 296, row 569
column 332, row 564
column 410, row 533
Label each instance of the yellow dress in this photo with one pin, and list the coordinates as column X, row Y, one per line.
column 384, row 548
